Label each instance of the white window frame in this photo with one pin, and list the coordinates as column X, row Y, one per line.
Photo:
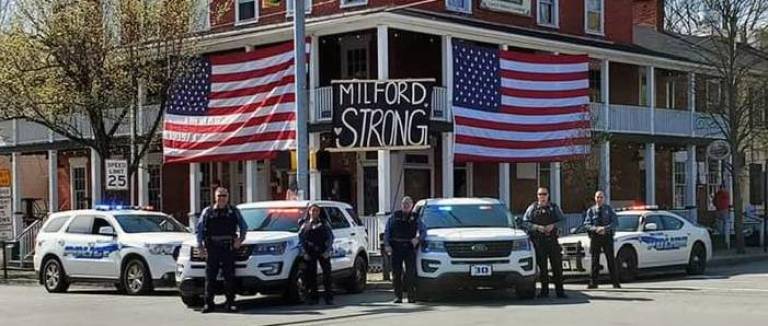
column 351, row 3
column 289, row 7
column 555, row 13
column 362, row 163
column 671, row 92
column 601, row 32
column 255, row 18
column 464, row 10
column 675, row 184
column 77, row 163
column 354, row 44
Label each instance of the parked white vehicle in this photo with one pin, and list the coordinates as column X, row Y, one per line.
column 645, row 238
column 269, row 262
column 134, row 249
column 471, row 243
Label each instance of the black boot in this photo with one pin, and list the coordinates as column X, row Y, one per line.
column 207, row 308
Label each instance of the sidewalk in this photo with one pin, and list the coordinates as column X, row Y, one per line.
column 726, row 257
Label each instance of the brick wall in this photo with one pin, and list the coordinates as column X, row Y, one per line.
column 649, row 13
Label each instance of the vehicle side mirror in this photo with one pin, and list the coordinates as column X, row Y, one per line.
column 107, row 230
column 573, row 230
column 651, row 227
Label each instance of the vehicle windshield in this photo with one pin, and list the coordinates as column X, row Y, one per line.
column 627, row 223
column 273, row 219
column 149, row 224
column 466, row 215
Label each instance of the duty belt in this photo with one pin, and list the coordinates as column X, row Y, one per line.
column 401, row 240
column 221, row 238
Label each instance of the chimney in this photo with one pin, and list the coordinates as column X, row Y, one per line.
column 649, row 13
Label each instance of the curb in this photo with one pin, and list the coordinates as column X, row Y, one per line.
column 18, row 282
column 736, row 259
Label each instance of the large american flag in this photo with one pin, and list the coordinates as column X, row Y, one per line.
column 518, row 107
column 233, row 107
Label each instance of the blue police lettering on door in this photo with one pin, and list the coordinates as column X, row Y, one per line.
column 91, row 251
column 662, row 242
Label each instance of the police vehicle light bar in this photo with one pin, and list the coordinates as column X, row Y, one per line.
column 639, row 208
column 122, row 208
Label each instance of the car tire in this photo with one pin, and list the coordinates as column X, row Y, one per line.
column 136, row 278
column 53, row 276
column 697, row 263
column 357, row 282
column 192, row 301
column 119, row 287
column 626, row 261
column 297, row 291
column 526, row 290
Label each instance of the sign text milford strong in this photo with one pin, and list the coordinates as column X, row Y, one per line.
column 370, row 115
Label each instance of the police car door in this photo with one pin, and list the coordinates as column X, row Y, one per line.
column 105, row 257
column 653, row 242
column 679, row 238
column 341, row 256
column 75, row 242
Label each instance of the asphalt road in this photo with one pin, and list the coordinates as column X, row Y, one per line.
column 722, row 296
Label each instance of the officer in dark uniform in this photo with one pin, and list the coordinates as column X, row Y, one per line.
column 316, row 243
column 403, row 234
column 217, row 238
column 540, row 220
column 601, row 222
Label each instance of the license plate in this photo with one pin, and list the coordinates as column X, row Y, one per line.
column 480, row 270
column 566, row 265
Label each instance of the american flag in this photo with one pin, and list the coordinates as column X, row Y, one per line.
column 232, row 107
column 517, row 107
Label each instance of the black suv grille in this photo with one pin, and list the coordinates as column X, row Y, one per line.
column 573, row 249
column 479, row 249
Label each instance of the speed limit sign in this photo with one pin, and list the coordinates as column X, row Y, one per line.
column 117, row 174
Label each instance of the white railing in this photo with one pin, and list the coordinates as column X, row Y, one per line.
column 375, row 226
column 672, row 122
column 321, row 102
column 27, row 239
column 629, row 119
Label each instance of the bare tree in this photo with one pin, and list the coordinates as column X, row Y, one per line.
column 722, row 36
column 75, row 67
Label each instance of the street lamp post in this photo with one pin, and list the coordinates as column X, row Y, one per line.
column 302, row 138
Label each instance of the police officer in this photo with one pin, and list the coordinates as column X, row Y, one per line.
column 403, row 234
column 540, row 220
column 316, row 243
column 218, row 240
column 601, row 221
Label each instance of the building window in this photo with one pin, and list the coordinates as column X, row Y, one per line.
column 246, row 11
column 154, row 186
column 678, row 183
column 714, row 94
column 593, row 16
column 714, row 180
column 643, row 76
column 462, row 6
column 79, row 191
column 671, row 92
column 544, row 175
column 370, row 190
column 460, row 181
column 351, row 3
column 289, row 7
column 548, row 13
column 595, row 85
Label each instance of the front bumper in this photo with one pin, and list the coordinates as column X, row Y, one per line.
column 247, row 285
column 463, row 281
column 440, row 269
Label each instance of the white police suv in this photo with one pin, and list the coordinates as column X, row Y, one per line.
column 133, row 248
column 471, row 243
column 269, row 261
column 645, row 238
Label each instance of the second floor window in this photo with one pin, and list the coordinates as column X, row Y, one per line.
column 548, row 12
column 246, row 10
column 594, row 16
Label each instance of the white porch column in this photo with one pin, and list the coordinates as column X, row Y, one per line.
column 504, row 184
column 605, row 90
column 604, row 181
column 650, row 174
column 729, row 185
column 95, row 178
column 194, row 193
column 384, row 156
column 692, row 101
column 447, row 140
column 16, row 217
column 315, row 177
column 448, row 167
column 690, row 182
column 53, row 181
column 264, row 176
column 234, row 183
column 555, row 186
column 143, row 181
column 251, row 181
column 652, row 96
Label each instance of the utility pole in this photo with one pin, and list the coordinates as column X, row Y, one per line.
column 302, row 137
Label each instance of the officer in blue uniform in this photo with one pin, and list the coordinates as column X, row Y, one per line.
column 403, row 234
column 601, row 222
column 316, row 243
column 540, row 220
column 220, row 233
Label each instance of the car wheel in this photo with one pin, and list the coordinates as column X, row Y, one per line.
column 626, row 261
column 356, row 283
column 192, row 301
column 136, row 278
column 54, row 278
column 525, row 290
column 697, row 263
column 297, row 290
column 119, row 287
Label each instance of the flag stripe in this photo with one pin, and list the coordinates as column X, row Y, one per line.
column 542, row 111
column 512, row 118
column 221, row 136
column 264, row 155
column 521, row 127
column 544, row 94
column 544, row 85
column 520, row 153
column 261, row 88
column 574, row 76
column 198, row 145
column 288, row 116
column 512, row 144
column 543, row 58
column 518, row 135
column 462, row 158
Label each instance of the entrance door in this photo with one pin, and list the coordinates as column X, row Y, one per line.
column 418, row 183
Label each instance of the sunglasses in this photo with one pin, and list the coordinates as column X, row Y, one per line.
column 542, row 194
column 222, row 195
